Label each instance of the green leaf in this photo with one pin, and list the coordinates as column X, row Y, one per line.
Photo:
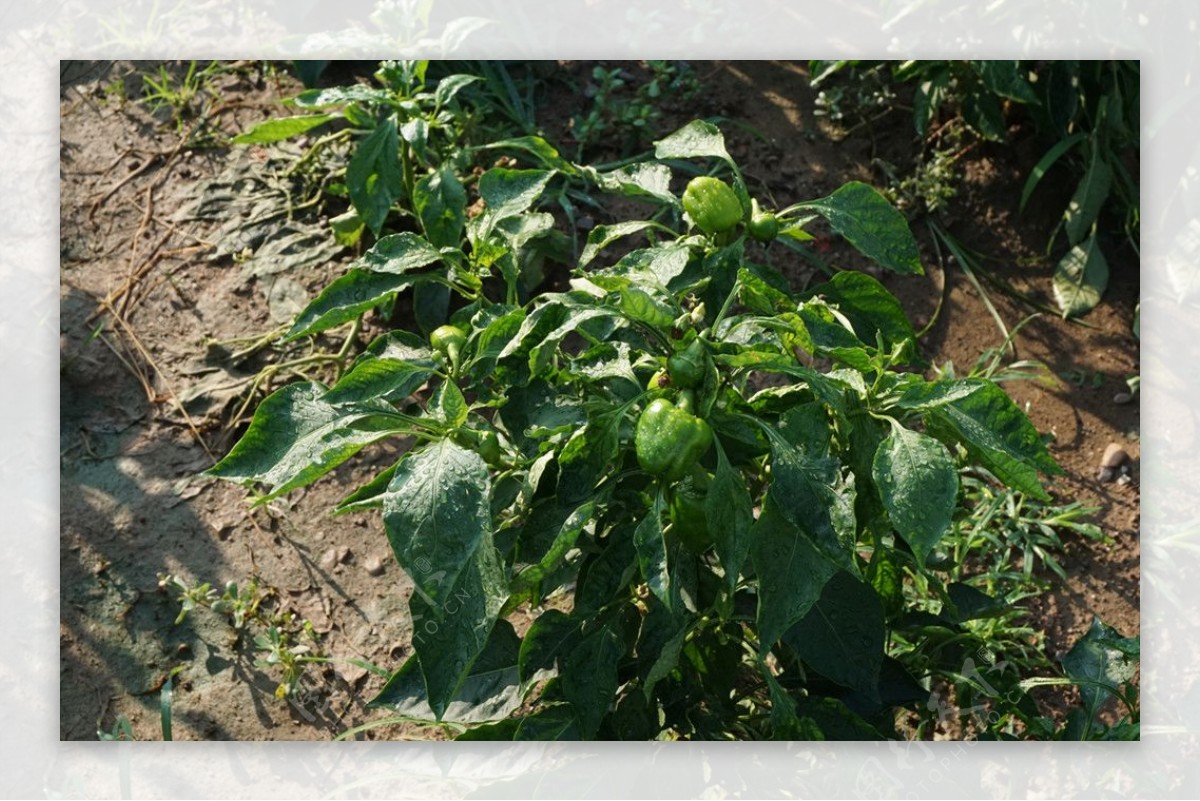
column 347, row 298
column 490, row 691
column 510, row 192
column 842, row 635
column 589, row 677
column 397, row 254
column 441, row 202
column 374, row 278
column 730, row 513
column 548, row 640
column 791, row 573
column 995, row 433
column 645, row 179
column 373, row 175
column 640, row 306
column 804, row 487
column 918, row 482
column 928, row 98
column 533, row 575
column 652, row 553
column 337, row 95
column 436, row 513
column 659, row 644
column 296, row 437
column 448, row 406
column 983, row 112
column 972, row 604
column 606, row 574
column 1046, row 162
column 1100, row 662
column 697, row 139
column 1080, row 279
column 602, row 236
column 279, row 129
column 1089, row 197
column 866, row 219
column 871, row 309
column 391, row 368
column 1004, row 78
column 535, row 146
column 448, row 636
column 450, row 86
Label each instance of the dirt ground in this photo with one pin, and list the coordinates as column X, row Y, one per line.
column 153, row 302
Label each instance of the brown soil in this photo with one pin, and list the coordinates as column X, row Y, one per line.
column 141, row 297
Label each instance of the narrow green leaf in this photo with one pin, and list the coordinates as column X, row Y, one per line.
column 842, row 635
column 866, row 219
column 450, row 86
column 391, row 368
column 918, row 482
column 347, row 298
column 436, row 514
column 730, row 513
column 652, row 553
column 1046, row 162
column 1080, row 278
column 791, row 573
column 449, row 635
column 536, row 146
column 279, row 129
column 659, row 644
column 295, row 437
column 1089, row 197
column 441, row 203
column 448, row 405
column 373, row 175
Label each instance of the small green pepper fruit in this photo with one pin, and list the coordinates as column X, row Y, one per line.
column 660, row 380
column 712, row 204
column 448, row 340
column 687, row 366
column 689, row 520
column 670, row 439
column 484, row 442
column 763, row 226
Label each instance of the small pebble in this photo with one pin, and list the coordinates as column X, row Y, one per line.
column 1122, row 398
column 1114, row 457
column 329, row 559
column 374, row 566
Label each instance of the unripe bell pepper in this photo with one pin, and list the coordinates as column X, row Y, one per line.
column 687, row 366
column 669, row 439
column 448, row 340
column 689, row 518
column 712, row 204
column 763, row 226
